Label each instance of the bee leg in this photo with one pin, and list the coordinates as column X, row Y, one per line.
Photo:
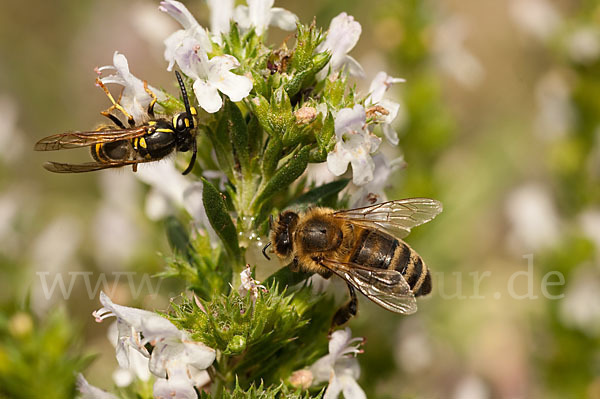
column 347, row 311
column 154, row 99
column 116, row 105
column 294, row 266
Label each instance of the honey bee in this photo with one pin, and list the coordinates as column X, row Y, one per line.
column 113, row 146
column 364, row 247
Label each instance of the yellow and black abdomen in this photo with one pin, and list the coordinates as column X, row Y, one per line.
column 376, row 249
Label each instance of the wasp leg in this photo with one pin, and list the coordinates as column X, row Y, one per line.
column 113, row 118
column 115, row 105
column 347, row 311
column 154, row 99
column 134, row 167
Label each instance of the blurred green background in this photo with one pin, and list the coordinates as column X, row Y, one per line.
column 501, row 123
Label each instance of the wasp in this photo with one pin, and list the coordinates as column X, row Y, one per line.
column 114, row 146
column 364, row 247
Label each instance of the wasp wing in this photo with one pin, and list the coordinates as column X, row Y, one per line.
column 58, row 167
column 84, row 139
column 394, row 217
column 387, row 288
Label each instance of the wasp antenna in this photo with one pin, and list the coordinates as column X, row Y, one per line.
column 264, row 251
column 186, row 101
column 193, row 160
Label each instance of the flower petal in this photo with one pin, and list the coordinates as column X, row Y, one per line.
column 349, row 119
column 350, row 388
column 174, row 388
column 362, row 170
column 208, row 96
column 354, row 68
column 390, row 133
column 236, row 87
column 221, row 12
column 283, row 19
column 336, row 161
column 333, row 389
column 88, row 391
column 179, row 12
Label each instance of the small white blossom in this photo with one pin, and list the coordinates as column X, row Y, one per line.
column 452, row 55
column 536, row 17
column 249, row 285
column 380, row 84
column 374, row 191
column 583, row 45
column 341, row 38
column 533, row 218
column 175, row 45
column 138, row 363
column 176, row 360
column 555, row 114
column 261, row 14
column 354, row 145
column 580, row 307
column 134, row 98
column 221, row 13
column 212, row 76
column 340, row 368
column 87, row 391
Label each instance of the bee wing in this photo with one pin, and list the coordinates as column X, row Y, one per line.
column 394, row 217
column 387, row 288
column 83, row 139
column 58, row 167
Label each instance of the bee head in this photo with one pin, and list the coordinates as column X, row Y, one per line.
column 282, row 233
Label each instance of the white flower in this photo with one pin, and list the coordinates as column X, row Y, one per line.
column 342, row 36
column 176, row 360
column 555, row 115
column 175, row 49
column 533, row 218
column 214, row 76
column 221, row 13
column 179, row 362
column 583, row 44
column 537, row 17
column 88, row 391
column 138, row 363
column 373, row 191
column 354, row 145
column 170, row 190
column 580, row 307
column 453, row 57
column 249, row 285
column 380, row 84
column 134, row 98
column 340, row 367
column 261, row 14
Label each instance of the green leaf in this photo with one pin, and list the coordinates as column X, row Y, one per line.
column 219, row 218
column 317, row 194
column 325, row 135
column 238, row 133
column 178, row 237
column 284, row 176
column 285, row 277
column 271, row 157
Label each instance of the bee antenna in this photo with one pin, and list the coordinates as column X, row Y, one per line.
column 264, row 251
column 186, row 101
column 193, row 160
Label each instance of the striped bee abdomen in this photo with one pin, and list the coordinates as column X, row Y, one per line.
column 376, row 249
